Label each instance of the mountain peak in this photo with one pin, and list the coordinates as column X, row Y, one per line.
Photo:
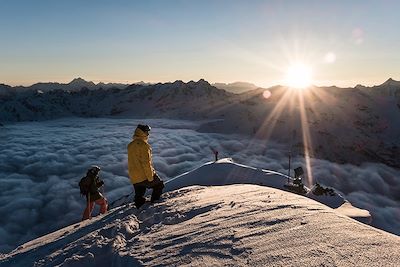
column 391, row 82
column 203, row 82
column 79, row 79
column 178, row 82
column 360, row 86
column 199, row 84
column 80, row 82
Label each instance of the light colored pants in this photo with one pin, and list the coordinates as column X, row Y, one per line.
column 102, row 202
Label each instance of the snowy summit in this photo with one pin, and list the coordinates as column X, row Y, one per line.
column 226, row 225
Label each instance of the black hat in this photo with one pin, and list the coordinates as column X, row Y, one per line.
column 144, row 128
column 94, row 170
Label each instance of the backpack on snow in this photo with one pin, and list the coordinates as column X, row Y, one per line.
column 84, row 185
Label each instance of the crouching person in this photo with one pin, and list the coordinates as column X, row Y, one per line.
column 89, row 186
column 140, row 167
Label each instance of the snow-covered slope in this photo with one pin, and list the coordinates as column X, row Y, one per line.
column 236, row 225
column 362, row 123
column 169, row 100
column 226, row 172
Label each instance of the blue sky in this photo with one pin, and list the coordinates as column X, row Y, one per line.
column 220, row 41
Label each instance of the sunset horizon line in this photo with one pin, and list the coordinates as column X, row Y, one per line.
column 130, row 82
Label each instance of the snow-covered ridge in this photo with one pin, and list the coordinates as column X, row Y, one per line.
column 240, row 225
column 227, row 172
column 174, row 100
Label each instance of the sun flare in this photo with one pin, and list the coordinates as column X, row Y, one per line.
column 299, row 76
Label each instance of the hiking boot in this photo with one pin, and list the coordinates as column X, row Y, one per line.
column 139, row 202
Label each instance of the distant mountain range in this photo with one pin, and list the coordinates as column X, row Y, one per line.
column 344, row 124
column 75, row 85
column 79, row 83
column 236, row 87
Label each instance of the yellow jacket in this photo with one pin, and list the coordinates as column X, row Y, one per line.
column 140, row 167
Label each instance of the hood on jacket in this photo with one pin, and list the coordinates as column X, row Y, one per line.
column 139, row 134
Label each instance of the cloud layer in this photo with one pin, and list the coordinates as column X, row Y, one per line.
column 42, row 163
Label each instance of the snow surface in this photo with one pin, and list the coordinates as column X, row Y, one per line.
column 235, row 225
column 42, row 162
column 225, row 171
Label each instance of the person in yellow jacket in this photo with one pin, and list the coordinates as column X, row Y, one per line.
column 140, row 167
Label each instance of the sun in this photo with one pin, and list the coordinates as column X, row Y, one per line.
column 299, row 76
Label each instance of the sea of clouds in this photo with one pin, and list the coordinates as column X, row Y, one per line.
column 41, row 164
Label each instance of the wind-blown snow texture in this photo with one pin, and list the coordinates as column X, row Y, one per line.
column 237, row 225
column 42, row 162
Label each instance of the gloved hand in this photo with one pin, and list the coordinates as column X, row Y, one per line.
column 100, row 183
column 157, row 179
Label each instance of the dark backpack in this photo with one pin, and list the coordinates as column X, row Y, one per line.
column 84, row 185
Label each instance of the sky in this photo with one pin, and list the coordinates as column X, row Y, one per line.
column 344, row 42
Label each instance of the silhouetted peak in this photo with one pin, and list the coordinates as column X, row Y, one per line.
column 81, row 82
column 199, row 83
column 359, row 86
column 4, row 85
column 178, row 82
column 202, row 81
column 391, row 82
column 78, row 80
column 143, row 83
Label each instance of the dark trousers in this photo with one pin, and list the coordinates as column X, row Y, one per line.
column 140, row 189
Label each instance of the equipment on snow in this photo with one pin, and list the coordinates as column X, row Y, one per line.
column 319, row 190
column 296, row 186
column 290, row 152
column 298, row 172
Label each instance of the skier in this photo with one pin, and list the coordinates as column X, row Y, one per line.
column 89, row 186
column 140, row 167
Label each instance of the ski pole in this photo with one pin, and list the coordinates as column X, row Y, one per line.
column 290, row 151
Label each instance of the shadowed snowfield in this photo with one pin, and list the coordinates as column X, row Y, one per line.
column 235, row 225
column 41, row 164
